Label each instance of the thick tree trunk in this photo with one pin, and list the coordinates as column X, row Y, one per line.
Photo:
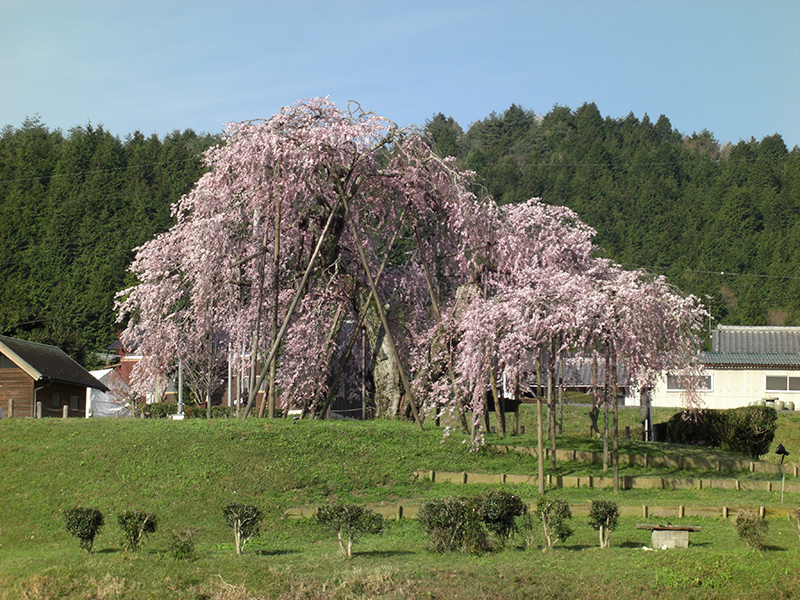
column 438, row 314
column 385, row 372
column 273, row 353
column 409, row 393
column 362, row 318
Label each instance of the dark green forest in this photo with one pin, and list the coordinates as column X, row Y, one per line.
column 721, row 222
column 72, row 209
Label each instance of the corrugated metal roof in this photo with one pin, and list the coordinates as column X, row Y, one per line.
column 746, row 359
column 47, row 362
column 735, row 338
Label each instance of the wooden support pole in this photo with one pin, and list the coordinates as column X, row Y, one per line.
column 412, row 400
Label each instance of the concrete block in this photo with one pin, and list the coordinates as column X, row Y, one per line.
column 445, row 477
column 703, row 511
column 569, row 481
column 674, row 483
column 646, row 483
column 518, row 479
column 670, row 539
column 663, row 512
column 483, row 478
column 758, row 486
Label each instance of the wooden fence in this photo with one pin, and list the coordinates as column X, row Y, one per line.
column 409, row 511
column 625, row 482
column 665, row 462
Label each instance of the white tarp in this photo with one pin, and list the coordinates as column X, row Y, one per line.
column 112, row 403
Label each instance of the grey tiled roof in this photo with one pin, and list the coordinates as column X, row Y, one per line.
column 49, row 362
column 789, row 360
column 734, row 338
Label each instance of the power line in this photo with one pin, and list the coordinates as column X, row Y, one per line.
column 56, row 318
column 94, row 171
column 721, row 273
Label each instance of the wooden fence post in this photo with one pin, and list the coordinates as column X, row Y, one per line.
column 65, row 411
column 39, row 410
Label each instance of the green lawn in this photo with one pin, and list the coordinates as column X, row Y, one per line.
column 185, row 472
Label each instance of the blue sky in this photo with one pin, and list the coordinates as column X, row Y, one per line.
column 730, row 66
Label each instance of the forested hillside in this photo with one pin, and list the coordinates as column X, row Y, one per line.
column 72, row 208
column 720, row 222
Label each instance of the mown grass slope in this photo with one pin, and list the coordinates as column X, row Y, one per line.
column 185, row 472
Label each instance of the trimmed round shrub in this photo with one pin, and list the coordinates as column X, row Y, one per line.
column 350, row 522
column 703, row 428
column 750, row 429
column 554, row 514
column 453, row 524
column 750, row 527
column 162, row 410
column 603, row 517
column 244, row 519
column 136, row 526
column 182, row 543
column 498, row 510
column 84, row 524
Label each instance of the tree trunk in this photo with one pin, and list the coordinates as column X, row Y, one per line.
column 295, row 300
column 435, row 304
column 551, row 402
column 560, row 393
column 539, row 427
column 615, row 455
column 385, row 374
column 410, row 396
column 363, row 314
column 498, row 403
column 605, row 417
column 275, row 293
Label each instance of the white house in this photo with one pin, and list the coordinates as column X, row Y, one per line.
column 746, row 365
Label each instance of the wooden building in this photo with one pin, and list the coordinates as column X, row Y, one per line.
column 32, row 372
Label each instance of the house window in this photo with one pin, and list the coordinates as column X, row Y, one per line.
column 782, row 383
column 674, row 383
column 55, row 400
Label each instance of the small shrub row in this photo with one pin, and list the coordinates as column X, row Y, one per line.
column 162, row 410
column 747, row 429
column 348, row 521
column 453, row 524
column 85, row 524
column 460, row 524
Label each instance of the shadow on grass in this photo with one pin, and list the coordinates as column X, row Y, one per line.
column 383, row 553
column 768, row 548
column 273, row 552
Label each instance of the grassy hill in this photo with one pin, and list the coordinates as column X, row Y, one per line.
column 185, row 472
